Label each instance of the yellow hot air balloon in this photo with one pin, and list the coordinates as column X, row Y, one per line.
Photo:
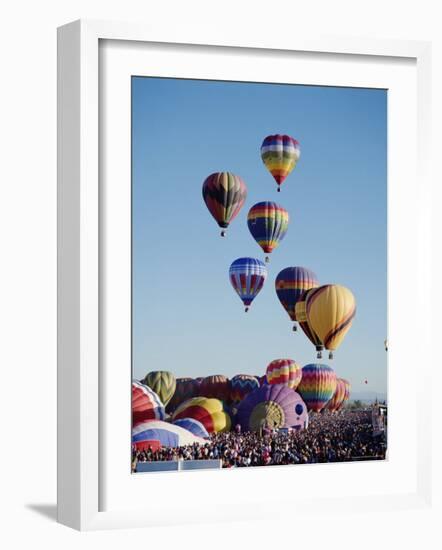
column 330, row 311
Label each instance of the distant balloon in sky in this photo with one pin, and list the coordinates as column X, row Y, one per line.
column 290, row 284
column 224, row 194
column 330, row 311
column 247, row 276
column 268, row 223
column 280, row 154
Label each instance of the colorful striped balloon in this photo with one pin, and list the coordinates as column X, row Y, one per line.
column 272, row 406
column 241, row 385
column 347, row 389
column 169, row 435
column 280, row 154
column 247, row 276
column 290, row 285
column 216, row 385
column 301, row 317
column 268, row 223
column 224, row 194
column 330, row 311
column 317, row 386
column 146, row 405
column 284, row 371
column 209, row 411
column 337, row 399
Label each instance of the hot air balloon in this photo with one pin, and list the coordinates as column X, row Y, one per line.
column 317, row 386
column 169, row 435
column 290, row 285
column 193, row 426
column 247, row 276
column 162, row 382
column 185, row 389
column 146, row 405
column 241, row 385
column 209, row 411
column 216, row 385
column 330, row 311
column 268, row 224
column 272, row 406
column 284, row 371
column 337, row 399
column 280, row 154
column 262, row 380
column 300, row 312
column 347, row 388
column 224, row 194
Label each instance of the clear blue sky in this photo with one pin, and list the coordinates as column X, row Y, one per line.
column 186, row 316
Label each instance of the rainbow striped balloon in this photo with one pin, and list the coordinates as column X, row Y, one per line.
column 284, row 371
column 268, row 223
column 337, row 400
column 280, row 154
column 317, row 386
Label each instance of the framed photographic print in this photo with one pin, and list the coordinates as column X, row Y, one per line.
column 232, row 272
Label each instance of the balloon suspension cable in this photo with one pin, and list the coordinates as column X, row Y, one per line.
column 267, row 259
column 246, row 309
column 330, row 355
column 223, row 233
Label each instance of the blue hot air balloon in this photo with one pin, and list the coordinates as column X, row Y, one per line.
column 247, row 276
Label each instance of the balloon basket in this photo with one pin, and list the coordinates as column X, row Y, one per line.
column 330, row 355
column 295, row 328
column 246, row 309
column 223, row 233
column 279, row 190
column 319, row 355
column 267, row 259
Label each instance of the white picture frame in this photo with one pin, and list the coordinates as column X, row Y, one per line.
column 85, row 225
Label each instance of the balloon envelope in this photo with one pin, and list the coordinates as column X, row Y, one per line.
column 146, row 405
column 209, row 411
column 317, row 386
column 330, row 311
column 290, row 284
column 280, row 154
column 224, row 194
column 247, row 276
column 268, row 223
column 216, row 385
column 241, row 385
column 284, row 371
column 185, row 389
column 193, row 426
column 337, row 399
column 301, row 317
column 272, row 406
column 162, row 383
column 169, row 435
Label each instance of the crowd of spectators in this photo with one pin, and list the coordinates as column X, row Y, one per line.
column 338, row 437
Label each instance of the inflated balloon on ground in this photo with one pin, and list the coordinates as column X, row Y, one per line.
column 146, row 405
column 209, row 411
column 317, row 386
column 162, row 383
